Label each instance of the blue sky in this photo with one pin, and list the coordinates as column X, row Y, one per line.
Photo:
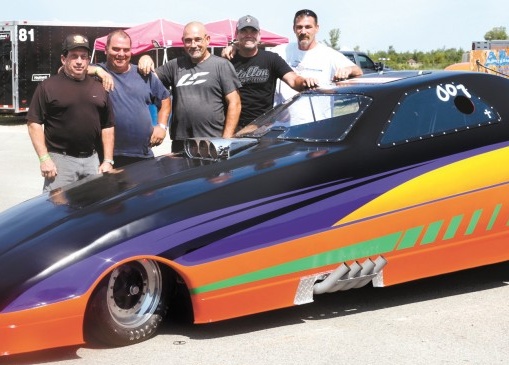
column 407, row 25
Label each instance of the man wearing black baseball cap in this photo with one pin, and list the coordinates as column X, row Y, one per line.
column 75, row 111
column 73, row 41
column 79, row 45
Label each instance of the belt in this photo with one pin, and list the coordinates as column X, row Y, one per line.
column 73, row 153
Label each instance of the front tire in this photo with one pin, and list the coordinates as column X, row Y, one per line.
column 128, row 305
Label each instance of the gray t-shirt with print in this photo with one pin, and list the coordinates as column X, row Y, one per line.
column 198, row 92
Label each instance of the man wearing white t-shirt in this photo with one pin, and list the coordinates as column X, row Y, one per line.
column 309, row 58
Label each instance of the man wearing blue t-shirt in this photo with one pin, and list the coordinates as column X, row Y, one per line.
column 131, row 96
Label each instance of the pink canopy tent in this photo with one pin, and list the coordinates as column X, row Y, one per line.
column 159, row 33
column 228, row 27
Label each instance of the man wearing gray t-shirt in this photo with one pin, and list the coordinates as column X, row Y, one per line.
column 204, row 87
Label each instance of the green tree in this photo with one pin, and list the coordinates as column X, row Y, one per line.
column 497, row 33
column 334, row 39
column 434, row 59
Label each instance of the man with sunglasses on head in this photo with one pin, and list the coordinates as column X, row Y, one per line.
column 309, row 58
column 69, row 113
column 204, row 87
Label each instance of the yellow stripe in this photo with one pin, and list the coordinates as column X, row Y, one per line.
column 479, row 171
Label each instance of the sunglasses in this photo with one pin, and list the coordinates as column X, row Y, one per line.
column 306, row 12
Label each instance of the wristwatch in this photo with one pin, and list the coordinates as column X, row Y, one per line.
column 111, row 162
column 163, row 126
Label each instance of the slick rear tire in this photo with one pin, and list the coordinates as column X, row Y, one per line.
column 128, row 305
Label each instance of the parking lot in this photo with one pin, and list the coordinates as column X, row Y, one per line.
column 455, row 319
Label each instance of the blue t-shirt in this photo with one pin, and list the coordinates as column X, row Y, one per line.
column 131, row 97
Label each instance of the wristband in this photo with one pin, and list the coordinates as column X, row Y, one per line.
column 163, row 126
column 44, row 157
column 96, row 71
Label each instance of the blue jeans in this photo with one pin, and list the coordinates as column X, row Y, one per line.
column 71, row 169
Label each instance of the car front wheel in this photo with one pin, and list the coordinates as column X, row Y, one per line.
column 128, row 305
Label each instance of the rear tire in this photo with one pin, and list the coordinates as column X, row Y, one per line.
column 128, row 305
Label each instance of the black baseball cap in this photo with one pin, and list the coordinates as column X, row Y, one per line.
column 73, row 41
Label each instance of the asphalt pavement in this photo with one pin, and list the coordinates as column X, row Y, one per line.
column 19, row 165
column 20, row 178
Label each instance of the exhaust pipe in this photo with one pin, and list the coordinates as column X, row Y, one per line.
column 344, row 277
column 348, row 277
column 337, row 275
column 378, row 265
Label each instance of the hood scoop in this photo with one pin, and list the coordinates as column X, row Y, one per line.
column 216, row 148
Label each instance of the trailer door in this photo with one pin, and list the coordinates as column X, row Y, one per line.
column 6, row 70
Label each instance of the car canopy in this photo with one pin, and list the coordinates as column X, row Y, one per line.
column 228, row 27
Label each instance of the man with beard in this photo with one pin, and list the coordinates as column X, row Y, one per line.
column 204, row 87
column 131, row 96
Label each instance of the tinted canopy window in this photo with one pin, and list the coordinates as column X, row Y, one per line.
column 435, row 111
column 313, row 117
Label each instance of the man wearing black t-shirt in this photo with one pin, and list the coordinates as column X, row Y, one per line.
column 258, row 71
column 69, row 113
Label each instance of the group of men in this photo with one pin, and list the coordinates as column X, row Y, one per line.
column 211, row 96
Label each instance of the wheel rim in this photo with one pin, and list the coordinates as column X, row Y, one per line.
column 134, row 292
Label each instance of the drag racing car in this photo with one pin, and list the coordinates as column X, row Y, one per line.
column 379, row 180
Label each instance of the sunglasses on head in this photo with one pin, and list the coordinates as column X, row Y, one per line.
column 306, row 12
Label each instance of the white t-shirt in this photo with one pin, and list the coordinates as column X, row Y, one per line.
column 321, row 63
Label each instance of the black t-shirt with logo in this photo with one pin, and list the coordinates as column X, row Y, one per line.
column 258, row 75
